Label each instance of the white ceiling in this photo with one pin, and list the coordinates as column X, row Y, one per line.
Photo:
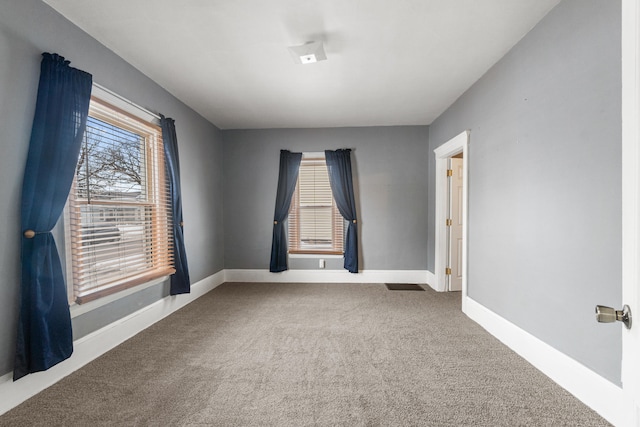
column 390, row 62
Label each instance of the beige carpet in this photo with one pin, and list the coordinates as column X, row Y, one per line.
column 309, row 355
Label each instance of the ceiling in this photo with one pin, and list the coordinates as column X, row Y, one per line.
column 389, row 62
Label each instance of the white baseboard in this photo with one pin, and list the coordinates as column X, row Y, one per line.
column 604, row 397
column 596, row 392
column 328, row 276
column 99, row 342
column 431, row 280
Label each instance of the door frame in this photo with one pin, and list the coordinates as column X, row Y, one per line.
column 631, row 202
column 456, row 145
column 454, row 239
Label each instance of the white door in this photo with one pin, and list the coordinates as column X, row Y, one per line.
column 455, row 146
column 455, row 232
column 631, row 203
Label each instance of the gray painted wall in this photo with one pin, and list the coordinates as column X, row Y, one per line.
column 29, row 27
column 544, row 177
column 545, row 182
column 390, row 180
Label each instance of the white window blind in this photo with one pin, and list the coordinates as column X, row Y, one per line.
column 315, row 225
column 119, row 212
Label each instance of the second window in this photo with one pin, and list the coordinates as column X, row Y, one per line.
column 315, row 224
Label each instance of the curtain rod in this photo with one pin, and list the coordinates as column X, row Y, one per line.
column 123, row 99
column 311, row 153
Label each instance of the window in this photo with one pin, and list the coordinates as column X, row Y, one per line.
column 315, row 224
column 118, row 215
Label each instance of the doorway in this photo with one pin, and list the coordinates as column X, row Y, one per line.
column 450, row 244
column 454, row 222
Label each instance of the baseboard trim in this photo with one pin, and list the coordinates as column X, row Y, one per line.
column 604, row 397
column 328, row 276
column 431, row 280
column 99, row 342
column 596, row 392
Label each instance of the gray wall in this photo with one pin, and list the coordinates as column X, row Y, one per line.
column 545, row 182
column 390, row 180
column 544, row 225
column 28, row 28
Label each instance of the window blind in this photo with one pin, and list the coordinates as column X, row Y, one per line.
column 315, row 225
column 119, row 212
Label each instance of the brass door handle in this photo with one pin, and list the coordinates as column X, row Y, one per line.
column 607, row 315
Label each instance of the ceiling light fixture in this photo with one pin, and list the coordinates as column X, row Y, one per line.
column 308, row 53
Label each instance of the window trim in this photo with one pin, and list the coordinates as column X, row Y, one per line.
column 109, row 292
column 86, row 307
column 336, row 216
column 317, row 255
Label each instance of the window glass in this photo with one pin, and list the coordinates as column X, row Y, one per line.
column 315, row 225
column 118, row 212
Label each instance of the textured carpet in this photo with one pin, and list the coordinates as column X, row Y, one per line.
column 307, row 355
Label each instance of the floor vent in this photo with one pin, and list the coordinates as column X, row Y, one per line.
column 404, row 287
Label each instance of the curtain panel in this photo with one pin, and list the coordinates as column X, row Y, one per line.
column 180, row 282
column 287, row 178
column 339, row 166
column 62, row 105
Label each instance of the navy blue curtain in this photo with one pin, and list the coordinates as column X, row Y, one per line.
column 62, row 106
column 180, row 282
column 289, row 167
column 339, row 166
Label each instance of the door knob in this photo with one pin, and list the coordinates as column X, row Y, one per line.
column 608, row 315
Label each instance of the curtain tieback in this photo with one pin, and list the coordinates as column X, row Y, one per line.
column 275, row 222
column 30, row 234
column 181, row 223
column 355, row 221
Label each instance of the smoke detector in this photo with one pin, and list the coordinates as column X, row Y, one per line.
column 308, row 53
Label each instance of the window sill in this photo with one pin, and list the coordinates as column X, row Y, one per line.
column 316, row 255
column 80, row 309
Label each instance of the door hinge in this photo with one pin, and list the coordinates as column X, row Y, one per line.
column 449, row 222
column 449, row 172
column 447, row 271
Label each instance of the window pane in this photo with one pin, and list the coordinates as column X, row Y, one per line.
column 111, row 163
column 316, row 226
column 119, row 216
column 114, row 244
column 314, row 221
column 314, row 186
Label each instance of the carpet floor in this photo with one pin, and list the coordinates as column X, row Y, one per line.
column 249, row 354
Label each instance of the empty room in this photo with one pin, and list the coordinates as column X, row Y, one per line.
column 320, row 213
